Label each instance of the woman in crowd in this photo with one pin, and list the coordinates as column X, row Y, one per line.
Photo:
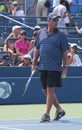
column 73, row 57
column 22, row 45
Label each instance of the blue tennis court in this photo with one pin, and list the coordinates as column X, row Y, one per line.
column 34, row 124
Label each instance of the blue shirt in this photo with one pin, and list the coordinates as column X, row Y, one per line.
column 51, row 46
column 31, row 52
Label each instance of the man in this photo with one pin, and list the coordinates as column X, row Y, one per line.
column 40, row 9
column 51, row 46
column 60, row 10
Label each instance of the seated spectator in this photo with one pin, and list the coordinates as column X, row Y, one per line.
column 6, row 60
column 31, row 52
column 22, row 45
column 9, row 7
column 8, row 46
column 26, row 61
column 31, row 45
column 5, row 63
column 36, row 29
column 17, row 10
column 79, row 31
column 73, row 57
column 2, row 7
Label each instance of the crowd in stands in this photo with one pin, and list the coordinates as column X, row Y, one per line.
column 20, row 49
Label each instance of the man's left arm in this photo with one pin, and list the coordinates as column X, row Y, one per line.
column 64, row 66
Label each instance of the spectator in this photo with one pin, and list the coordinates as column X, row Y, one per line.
column 6, row 60
column 14, row 34
column 2, row 7
column 36, row 29
column 5, row 63
column 60, row 10
column 26, row 61
column 67, row 19
column 9, row 7
column 79, row 31
column 31, row 52
column 41, row 10
column 17, row 10
column 22, row 45
column 9, row 42
column 73, row 57
column 31, row 45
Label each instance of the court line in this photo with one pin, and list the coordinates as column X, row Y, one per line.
column 9, row 128
column 29, row 119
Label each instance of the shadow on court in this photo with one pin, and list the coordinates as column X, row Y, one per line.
column 34, row 124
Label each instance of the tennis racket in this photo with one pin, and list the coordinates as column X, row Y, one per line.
column 28, row 82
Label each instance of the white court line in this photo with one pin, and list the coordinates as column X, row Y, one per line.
column 8, row 128
column 33, row 124
column 31, row 119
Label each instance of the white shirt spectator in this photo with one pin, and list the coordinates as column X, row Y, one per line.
column 57, row 2
column 60, row 10
column 76, row 60
column 80, row 31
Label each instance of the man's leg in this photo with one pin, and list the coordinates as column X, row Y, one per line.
column 52, row 99
column 47, row 93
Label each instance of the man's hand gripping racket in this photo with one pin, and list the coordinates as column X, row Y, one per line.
column 28, row 82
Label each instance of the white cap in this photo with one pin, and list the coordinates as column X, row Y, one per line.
column 27, row 56
column 73, row 44
column 15, row 27
column 37, row 27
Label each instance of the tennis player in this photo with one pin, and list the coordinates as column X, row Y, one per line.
column 51, row 45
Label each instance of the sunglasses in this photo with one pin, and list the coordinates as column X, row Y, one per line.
column 55, row 20
column 23, row 34
column 15, row 5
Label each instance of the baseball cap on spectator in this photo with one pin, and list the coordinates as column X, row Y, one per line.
column 36, row 27
column 15, row 27
column 53, row 16
column 73, row 44
column 22, row 32
column 28, row 56
column 15, row 3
